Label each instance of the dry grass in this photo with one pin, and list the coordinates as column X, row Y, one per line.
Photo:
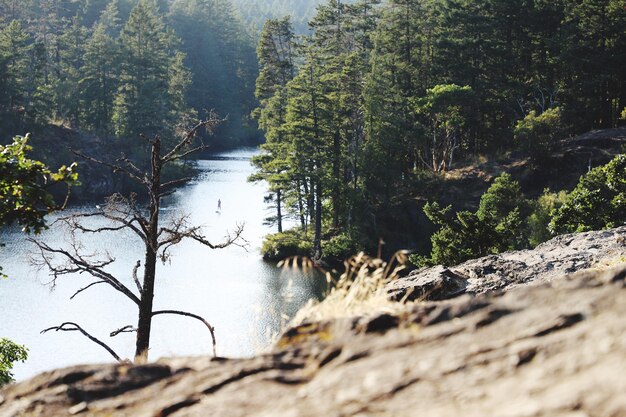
column 358, row 291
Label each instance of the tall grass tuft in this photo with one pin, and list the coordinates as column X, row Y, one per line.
column 359, row 290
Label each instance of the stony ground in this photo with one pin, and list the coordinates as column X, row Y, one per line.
column 550, row 260
column 545, row 343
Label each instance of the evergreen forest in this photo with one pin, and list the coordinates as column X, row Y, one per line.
column 256, row 12
column 363, row 110
column 117, row 68
column 365, row 116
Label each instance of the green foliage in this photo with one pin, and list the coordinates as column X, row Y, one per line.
column 219, row 53
column 100, row 73
column 495, row 227
column 9, row 354
column 279, row 246
column 25, row 199
column 24, row 182
column 143, row 98
column 538, row 133
column 14, row 51
column 68, row 62
column 501, row 198
column 542, row 211
column 598, row 201
column 340, row 247
column 446, row 109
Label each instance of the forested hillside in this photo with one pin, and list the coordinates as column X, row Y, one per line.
column 256, row 12
column 366, row 113
column 117, row 68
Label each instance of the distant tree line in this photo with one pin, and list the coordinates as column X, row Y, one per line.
column 256, row 12
column 124, row 67
column 382, row 94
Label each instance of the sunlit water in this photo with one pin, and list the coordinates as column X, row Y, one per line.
column 245, row 298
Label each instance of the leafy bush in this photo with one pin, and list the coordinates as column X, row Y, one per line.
column 543, row 210
column 495, row 227
column 539, row 133
column 340, row 247
column 9, row 354
column 279, row 246
column 461, row 236
column 598, row 201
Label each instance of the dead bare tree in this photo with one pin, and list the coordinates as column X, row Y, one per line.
column 126, row 213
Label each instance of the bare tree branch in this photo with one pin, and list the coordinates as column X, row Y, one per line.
column 180, row 231
column 125, row 329
column 115, row 168
column 188, row 152
column 135, row 278
column 188, row 138
column 87, row 287
column 229, row 239
column 73, row 327
column 131, row 165
column 125, row 213
column 176, row 183
column 80, row 264
column 194, row 316
column 118, row 210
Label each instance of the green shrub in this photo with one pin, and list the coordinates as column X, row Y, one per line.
column 543, row 210
column 340, row 247
column 598, row 201
column 538, row 134
column 9, row 354
column 293, row 242
column 495, row 227
column 461, row 236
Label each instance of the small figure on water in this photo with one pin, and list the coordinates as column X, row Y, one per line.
column 219, row 205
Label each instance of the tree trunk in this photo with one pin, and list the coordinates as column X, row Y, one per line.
column 311, row 202
column 336, row 179
column 317, row 240
column 301, row 205
column 279, row 214
column 147, row 293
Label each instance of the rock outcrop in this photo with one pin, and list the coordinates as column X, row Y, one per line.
column 562, row 255
column 553, row 348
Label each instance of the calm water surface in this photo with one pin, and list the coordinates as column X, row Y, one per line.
column 245, row 298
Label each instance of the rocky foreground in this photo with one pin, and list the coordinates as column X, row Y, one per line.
column 524, row 335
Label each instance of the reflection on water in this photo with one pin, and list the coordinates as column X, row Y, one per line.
column 245, row 298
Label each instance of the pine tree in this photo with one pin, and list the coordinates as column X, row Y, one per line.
column 394, row 82
column 14, row 51
column 308, row 125
column 67, row 94
column 100, row 73
column 593, row 62
column 142, row 103
column 276, row 61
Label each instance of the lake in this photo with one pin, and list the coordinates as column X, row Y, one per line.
column 246, row 299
